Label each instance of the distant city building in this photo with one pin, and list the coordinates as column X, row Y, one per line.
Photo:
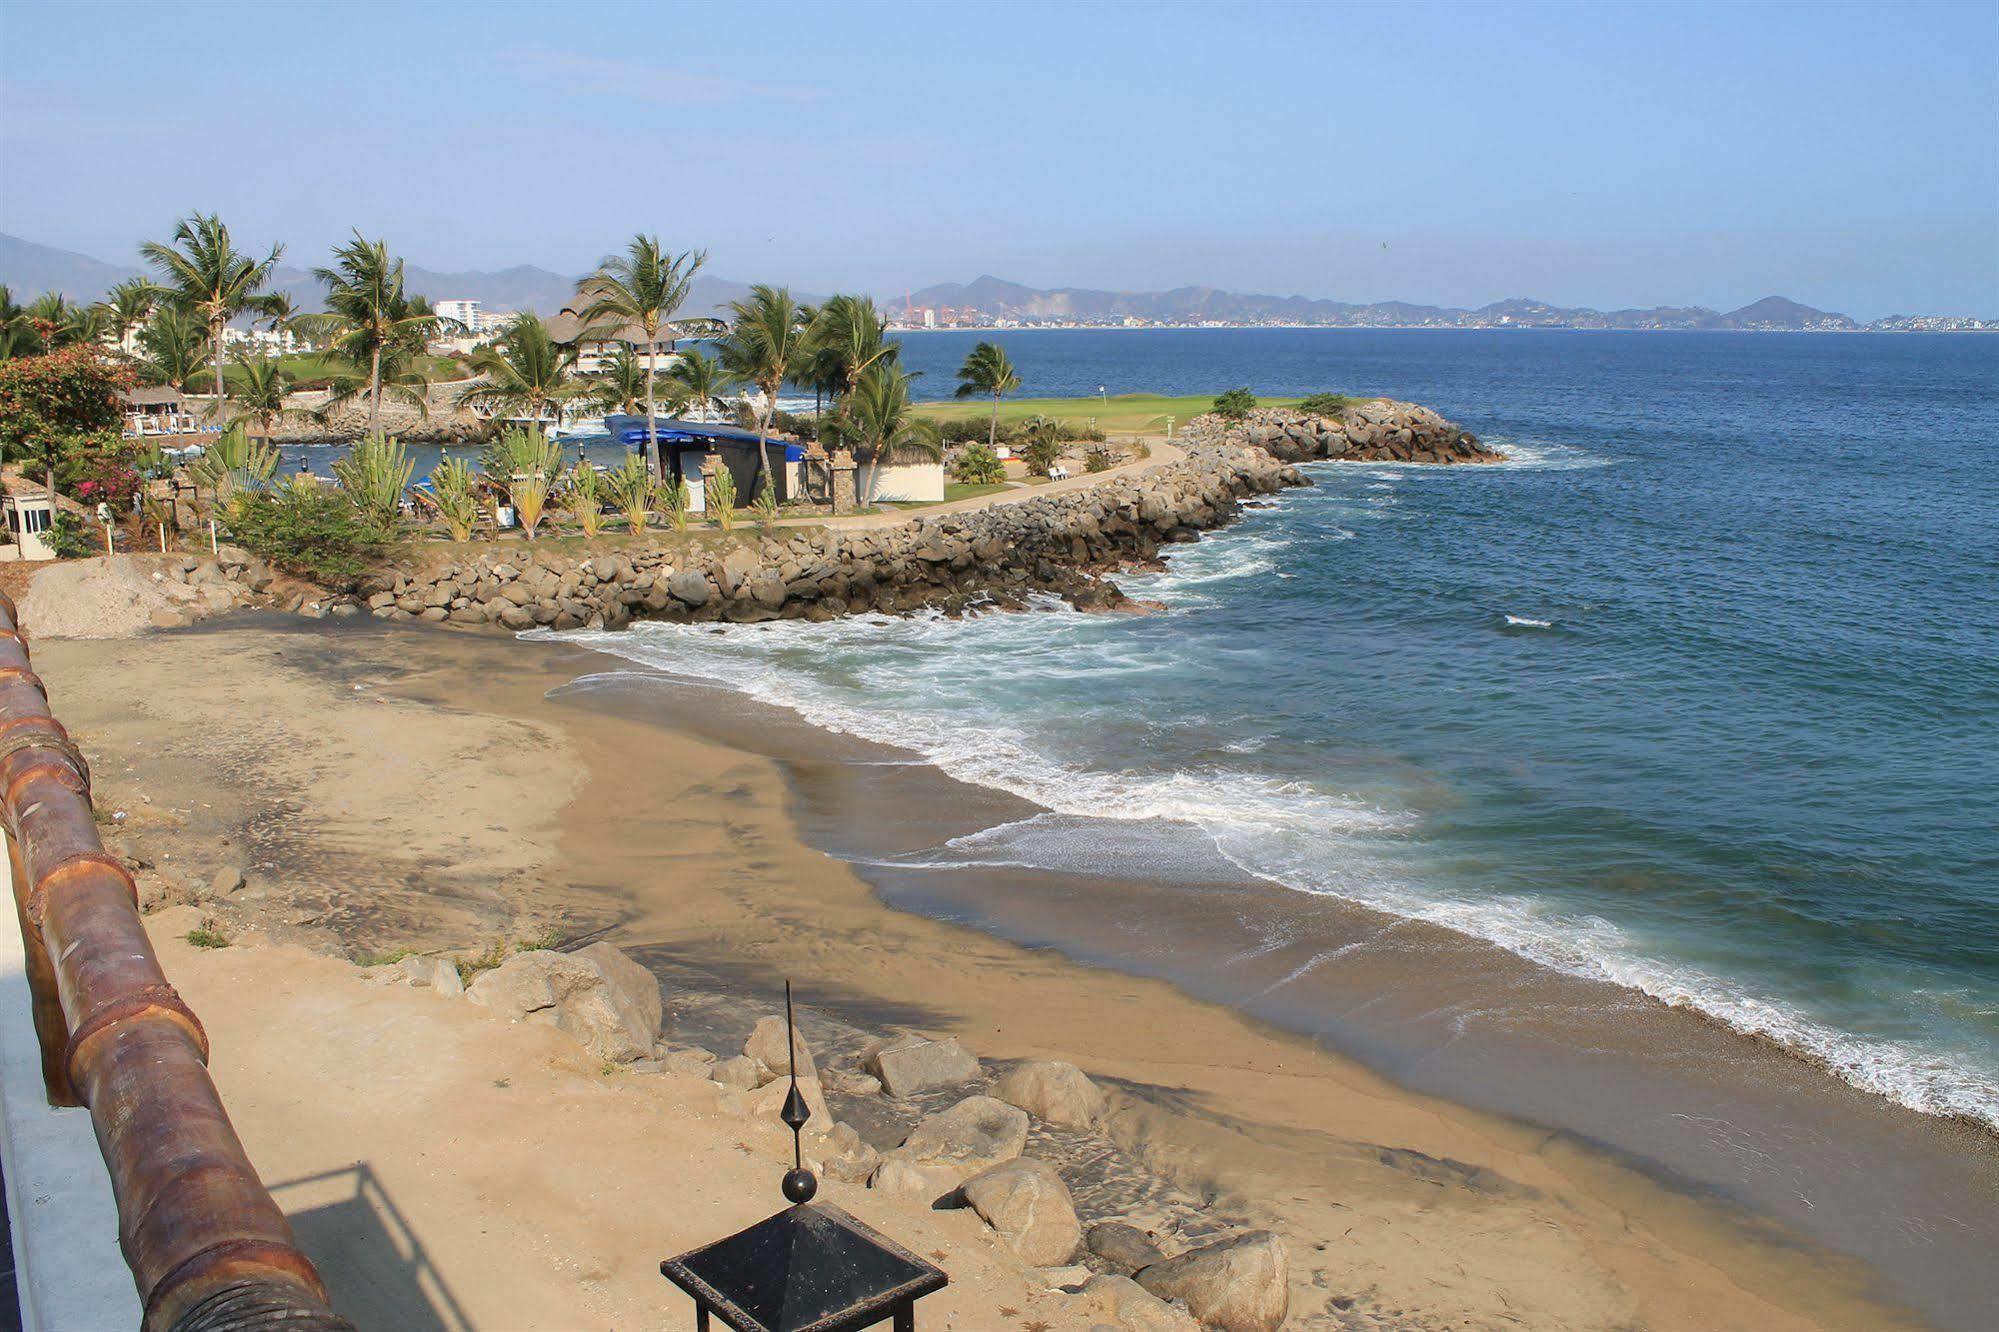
column 465, row 312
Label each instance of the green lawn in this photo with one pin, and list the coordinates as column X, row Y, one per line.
column 957, row 490
column 1122, row 414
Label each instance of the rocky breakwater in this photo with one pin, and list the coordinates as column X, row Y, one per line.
column 1360, row 430
column 997, row 556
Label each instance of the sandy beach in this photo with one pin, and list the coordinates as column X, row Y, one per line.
column 392, row 788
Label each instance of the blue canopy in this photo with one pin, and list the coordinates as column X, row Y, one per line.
column 631, row 431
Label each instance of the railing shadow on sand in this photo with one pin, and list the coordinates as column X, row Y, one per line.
column 375, row 1266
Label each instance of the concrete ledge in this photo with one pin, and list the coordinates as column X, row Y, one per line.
column 71, row 1276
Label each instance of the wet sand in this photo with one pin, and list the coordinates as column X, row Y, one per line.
column 681, row 821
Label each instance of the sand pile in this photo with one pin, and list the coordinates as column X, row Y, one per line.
column 98, row 598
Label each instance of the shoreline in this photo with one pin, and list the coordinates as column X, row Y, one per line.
column 685, row 849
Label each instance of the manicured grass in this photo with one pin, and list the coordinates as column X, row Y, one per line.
column 957, row 490
column 1122, row 414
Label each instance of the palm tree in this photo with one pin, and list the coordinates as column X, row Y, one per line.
column 261, row 391
column 847, row 339
column 17, row 334
column 128, row 306
column 280, row 312
column 374, row 321
column 66, row 324
column 622, row 385
column 696, row 382
column 209, row 277
column 643, row 288
column 173, row 348
column 987, row 370
column 876, row 419
column 766, row 343
column 523, row 374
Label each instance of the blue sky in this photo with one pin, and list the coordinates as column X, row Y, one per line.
column 1843, row 155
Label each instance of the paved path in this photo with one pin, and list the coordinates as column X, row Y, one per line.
column 1162, row 455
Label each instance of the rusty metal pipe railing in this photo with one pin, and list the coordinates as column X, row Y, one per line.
column 208, row 1248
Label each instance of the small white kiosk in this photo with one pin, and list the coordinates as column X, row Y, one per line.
column 28, row 519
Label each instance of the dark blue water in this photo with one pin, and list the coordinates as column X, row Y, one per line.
column 1700, row 694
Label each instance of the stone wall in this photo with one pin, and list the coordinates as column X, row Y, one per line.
column 997, row 556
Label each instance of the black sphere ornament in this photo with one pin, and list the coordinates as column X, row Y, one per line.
column 799, row 1185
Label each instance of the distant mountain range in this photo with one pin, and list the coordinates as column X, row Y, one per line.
column 28, row 269
column 997, row 298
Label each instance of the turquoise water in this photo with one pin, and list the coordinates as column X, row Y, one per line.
column 1699, row 695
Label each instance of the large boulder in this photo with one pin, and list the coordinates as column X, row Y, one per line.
column 690, row 586
column 1122, row 1245
column 1135, row 1308
column 606, row 1009
column 948, row 1148
column 1053, row 1092
column 766, row 1046
column 916, row 1063
column 430, row 972
column 1028, row 1205
column 636, row 986
column 1237, row 1285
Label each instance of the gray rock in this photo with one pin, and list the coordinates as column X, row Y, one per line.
column 573, row 994
column 1134, row 1308
column 912, row 1064
column 1053, row 1092
column 688, row 1063
column 1241, row 1284
column 691, row 587
column 845, row 1157
column 1028, row 1206
column 738, row 1071
column 766, row 1046
column 227, row 880
column 637, row 988
column 1122, row 1245
column 432, row 973
column 948, row 1148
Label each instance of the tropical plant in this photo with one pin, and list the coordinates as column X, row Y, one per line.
column 1044, row 444
column 988, row 371
column 696, row 383
column 877, row 421
column 979, row 465
column 632, row 488
column 261, row 389
column 1235, row 404
column 374, row 474
column 308, row 529
column 1326, row 404
column 524, row 462
column 280, row 312
column 173, row 348
column 374, row 323
column 55, row 405
column 128, row 305
column 642, row 289
column 17, row 332
column 62, row 324
column 765, row 505
column 847, row 338
column 1099, row 459
column 205, row 275
column 456, row 488
column 525, row 373
column 765, row 345
column 679, row 500
column 232, row 462
column 621, row 383
column 69, row 537
column 586, row 496
column 721, row 484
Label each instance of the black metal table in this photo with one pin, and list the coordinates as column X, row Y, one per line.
column 806, row 1269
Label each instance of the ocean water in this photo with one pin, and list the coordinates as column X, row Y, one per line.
column 1699, row 694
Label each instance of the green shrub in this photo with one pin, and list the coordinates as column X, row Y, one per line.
column 1235, row 404
column 766, row 505
column 1327, row 404
column 632, row 489
column 457, row 490
column 1099, row 459
column 373, row 474
column 205, row 935
column 309, row 530
column 978, row 465
column 70, row 537
column 722, row 497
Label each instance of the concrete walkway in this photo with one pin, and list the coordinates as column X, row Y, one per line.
column 1163, row 454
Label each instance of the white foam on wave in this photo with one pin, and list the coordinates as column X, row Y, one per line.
column 1523, row 622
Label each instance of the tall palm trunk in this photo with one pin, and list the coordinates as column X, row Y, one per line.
column 652, row 431
column 992, row 431
column 215, row 353
column 763, row 439
column 375, row 389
